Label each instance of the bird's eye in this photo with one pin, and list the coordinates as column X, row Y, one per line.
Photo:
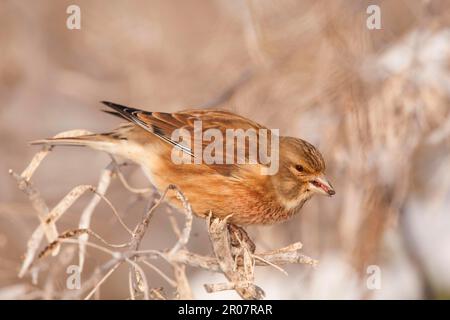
column 299, row 168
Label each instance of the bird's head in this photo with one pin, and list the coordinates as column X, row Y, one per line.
column 301, row 173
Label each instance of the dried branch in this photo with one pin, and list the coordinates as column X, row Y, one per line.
column 103, row 279
column 86, row 216
column 183, row 288
column 125, row 183
column 236, row 274
column 39, row 205
column 24, row 184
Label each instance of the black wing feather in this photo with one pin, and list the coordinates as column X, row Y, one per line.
column 130, row 114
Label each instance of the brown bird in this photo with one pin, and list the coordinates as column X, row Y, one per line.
column 236, row 189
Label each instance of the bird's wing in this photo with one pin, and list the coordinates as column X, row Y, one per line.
column 153, row 122
column 164, row 124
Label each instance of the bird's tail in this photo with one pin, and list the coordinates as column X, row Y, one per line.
column 104, row 142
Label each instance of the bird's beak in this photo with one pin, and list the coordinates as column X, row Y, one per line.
column 321, row 185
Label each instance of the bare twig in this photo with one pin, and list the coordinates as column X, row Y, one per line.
column 160, row 273
column 125, row 183
column 183, row 288
column 38, row 203
column 86, row 216
column 186, row 232
column 103, row 279
column 219, row 235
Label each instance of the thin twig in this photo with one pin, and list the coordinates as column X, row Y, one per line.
column 103, row 279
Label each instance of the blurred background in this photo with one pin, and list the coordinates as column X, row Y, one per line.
column 375, row 102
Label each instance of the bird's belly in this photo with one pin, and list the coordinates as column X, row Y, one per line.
column 243, row 207
column 208, row 192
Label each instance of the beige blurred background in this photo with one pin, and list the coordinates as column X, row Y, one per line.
column 375, row 102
